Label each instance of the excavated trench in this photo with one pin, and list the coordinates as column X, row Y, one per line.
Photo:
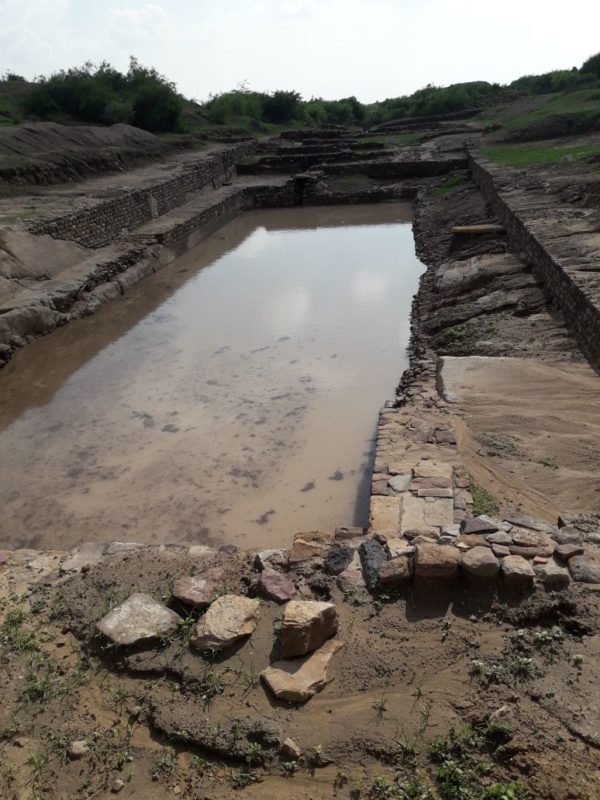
column 231, row 398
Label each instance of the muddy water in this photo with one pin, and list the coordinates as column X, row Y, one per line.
column 230, row 398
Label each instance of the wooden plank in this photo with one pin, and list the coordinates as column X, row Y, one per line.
column 486, row 227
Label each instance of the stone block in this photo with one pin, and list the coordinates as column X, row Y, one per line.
column 384, row 513
column 229, row 619
column 517, row 571
column 395, row 571
column 436, row 561
column 418, row 514
column 305, row 626
column 480, row 562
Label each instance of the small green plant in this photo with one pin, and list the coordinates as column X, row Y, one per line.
column 483, row 501
column 380, row 707
column 120, row 697
column 381, row 789
column 341, row 779
column 14, row 636
column 549, row 462
column 164, row 764
column 289, row 768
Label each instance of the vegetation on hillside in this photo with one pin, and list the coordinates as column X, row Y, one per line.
column 145, row 98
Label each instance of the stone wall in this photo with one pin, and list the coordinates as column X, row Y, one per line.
column 398, row 169
column 564, row 278
column 103, row 223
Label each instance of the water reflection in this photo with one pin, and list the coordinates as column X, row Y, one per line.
column 231, row 397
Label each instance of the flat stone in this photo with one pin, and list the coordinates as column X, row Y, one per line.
column 583, row 570
column 337, row 559
column 432, row 534
column 501, row 525
column 480, row 562
column 276, row 586
column 567, row 536
column 372, row 556
column 418, row 514
column 500, row 537
column 567, row 551
column 199, row 590
column 23, row 556
column 500, row 550
column 395, row 571
column 299, row 679
column 517, row 571
column 384, row 513
column 545, row 547
column 78, row 749
column 305, row 626
column 310, row 545
column 432, row 469
column 380, row 488
column 436, row 561
column 350, row 580
column 462, row 479
column 445, row 436
column 533, row 523
column 472, row 540
column 123, row 547
column 399, row 547
column 435, row 482
column 400, row 468
column 400, row 483
column 83, row 557
column 266, row 558
column 350, row 536
column 229, row 619
column 553, row 575
column 451, row 530
column 524, row 537
column 477, row 525
column 200, row 551
column 139, row 618
column 435, row 492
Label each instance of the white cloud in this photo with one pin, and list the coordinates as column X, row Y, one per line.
column 151, row 23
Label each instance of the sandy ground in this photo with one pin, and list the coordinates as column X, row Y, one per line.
column 539, row 422
column 409, row 673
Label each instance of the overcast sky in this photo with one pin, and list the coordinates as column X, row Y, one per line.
column 330, row 48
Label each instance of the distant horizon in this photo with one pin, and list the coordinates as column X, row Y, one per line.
column 321, row 48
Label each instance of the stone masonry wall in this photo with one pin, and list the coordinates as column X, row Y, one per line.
column 103, row 223
column 579, row 303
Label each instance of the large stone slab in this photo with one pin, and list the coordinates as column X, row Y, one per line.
column 299, row 679
column 139, row 618
column 306, row 624
column 436, row 561
column 229, row 619
column 420, row 513
column 480, row 562
column 384, row 513
column 199, row 590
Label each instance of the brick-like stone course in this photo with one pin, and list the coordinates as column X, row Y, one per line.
column 564, row 276
column 104, row 222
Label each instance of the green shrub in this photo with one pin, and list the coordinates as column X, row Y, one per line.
column 104, row 95
column 592, row 65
